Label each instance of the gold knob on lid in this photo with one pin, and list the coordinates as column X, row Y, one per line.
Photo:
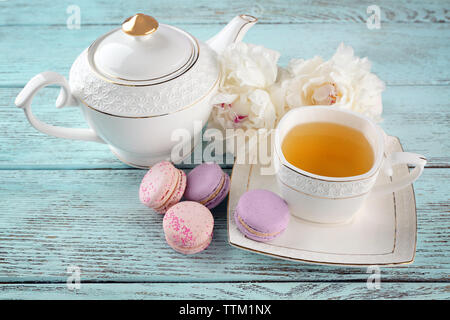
column 140, row 25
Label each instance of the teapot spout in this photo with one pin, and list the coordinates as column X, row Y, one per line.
column 233, row 32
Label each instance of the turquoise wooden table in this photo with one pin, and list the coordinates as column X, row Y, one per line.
column 72, row 204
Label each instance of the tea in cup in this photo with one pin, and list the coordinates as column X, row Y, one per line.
column 328, row 160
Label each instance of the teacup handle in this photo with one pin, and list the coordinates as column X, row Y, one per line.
column 25, row 97
column 394, row 158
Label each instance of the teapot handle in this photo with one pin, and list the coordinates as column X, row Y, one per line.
column 25, row 97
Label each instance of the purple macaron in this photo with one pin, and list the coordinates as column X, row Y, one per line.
column 207, row 184
column 261, row 215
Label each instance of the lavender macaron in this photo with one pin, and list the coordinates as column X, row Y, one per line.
column 207, row 184
column 261, row 215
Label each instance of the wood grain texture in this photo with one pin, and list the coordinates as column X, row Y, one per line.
column 51, row 219
column 22, row 12
column 28, row 50
column 234, row 291
column 417, row 115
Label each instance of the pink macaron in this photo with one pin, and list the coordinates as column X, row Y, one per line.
column 207, row 184
column 188, row 227
column 261, row 215
column 162, row 186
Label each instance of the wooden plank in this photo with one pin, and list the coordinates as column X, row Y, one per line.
column 28, row 50
column 421, row 127
column 52, row 219
column 23, row 12
column 234, row 290
column 418, row 115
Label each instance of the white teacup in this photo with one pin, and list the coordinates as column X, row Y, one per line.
column 329, row 199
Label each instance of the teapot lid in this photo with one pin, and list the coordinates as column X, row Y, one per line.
column 143, row 52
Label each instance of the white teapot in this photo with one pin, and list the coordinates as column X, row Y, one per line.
column 136, row 85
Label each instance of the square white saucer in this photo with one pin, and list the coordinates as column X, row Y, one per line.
column 383, row 232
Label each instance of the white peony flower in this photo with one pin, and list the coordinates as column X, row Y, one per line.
column 278, row 92
column 252, row 110
column 344, row 81
column 243, row 100
column 247, row 66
